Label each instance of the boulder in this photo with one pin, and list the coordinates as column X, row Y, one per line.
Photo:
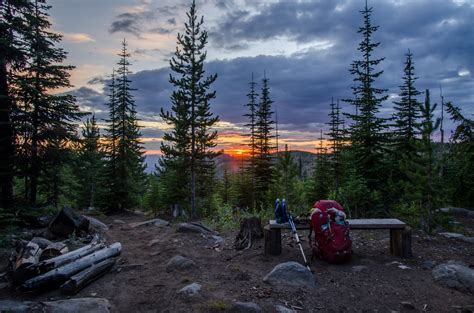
column 457, row 236
column 455, row 275
column 96, row 226
column 178, row 263
column 283, row 309
column 290, row 274
column 245, row 307
column 154, row 222
column 90, row 305
column 190, row 290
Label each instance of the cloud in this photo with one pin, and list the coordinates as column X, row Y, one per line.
column 77, row 37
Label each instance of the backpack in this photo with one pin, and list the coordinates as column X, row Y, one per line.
column 332, row 241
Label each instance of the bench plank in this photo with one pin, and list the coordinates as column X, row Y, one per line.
column 366, row 223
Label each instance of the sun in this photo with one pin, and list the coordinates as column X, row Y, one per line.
column 238, row 152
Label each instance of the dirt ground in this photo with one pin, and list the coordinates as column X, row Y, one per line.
column 227, row 275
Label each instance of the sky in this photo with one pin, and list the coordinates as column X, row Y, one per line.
column 305, row 48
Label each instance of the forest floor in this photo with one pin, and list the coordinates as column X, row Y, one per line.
column 227, row 275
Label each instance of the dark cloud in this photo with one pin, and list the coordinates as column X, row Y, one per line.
column 96, row 80
column 171, row 21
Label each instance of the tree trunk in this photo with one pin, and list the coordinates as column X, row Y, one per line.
column 69, row 257
column 67, row 222
column 250, row 229
column 60, row 275
column 27, row 256
column 84, row 278
column 53, row 250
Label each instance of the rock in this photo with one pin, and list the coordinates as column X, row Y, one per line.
column 179, row 262
column 290, row 274
column 119, row 222
column 407, row 305
column 458, row 211
column 153, row 242
column 458, row 237
column 41, row 242
column 90, row 305
column 359, row 268
column 245, row 307
column 217, row 239
column 194, row 227
column 283, row 309
column 96, row 226
column 190, row 290
column 455, row 275
column 428, row 265
column 154, row 222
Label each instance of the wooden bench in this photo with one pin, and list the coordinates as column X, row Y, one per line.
column 400, row 234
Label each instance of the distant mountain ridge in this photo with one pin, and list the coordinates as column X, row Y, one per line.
column 304, row 160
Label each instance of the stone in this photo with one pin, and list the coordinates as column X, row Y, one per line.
column 457, row 236
column 283, row 309
column 154, row 222
column 190, row 290
column 217, row 239
column 455, row 275
column 245, row 307
column 290, row 274
column 359, row 268
column 119, row 222
column 458, row 211
column 96, row 226
column 90, row 305
column 407, row 305
column 194, row 227
column 428, row 265
column 178, row 263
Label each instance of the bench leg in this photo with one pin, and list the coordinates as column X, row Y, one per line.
column 400, row 242
column 272, row 240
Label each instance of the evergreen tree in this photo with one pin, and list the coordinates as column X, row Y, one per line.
column 192, row 137
column 264, row 147
column 286, row 177
column 12, row 58
column 407, row 113
column 336, row 138
column 321, row 179
column 127, row 155
column 252, row 106
column 91, row 165
column 46, row 120
column 367, row 131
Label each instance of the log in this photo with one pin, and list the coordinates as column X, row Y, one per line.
column 87, row 276
column 53, row 250
column 28, row 255
column 41, row 242
column 67, row 222
column 60, row 275
column 250, row 229
column 47, row 265
column 272, row 240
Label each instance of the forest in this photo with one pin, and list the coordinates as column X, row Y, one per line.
column 62, row 168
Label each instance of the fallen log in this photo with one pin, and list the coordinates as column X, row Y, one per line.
column 60, row 275
column 54, row 249
column 41, row 242
column 67, row 222
column 27, row 256
column 87, row 276
column 47, row 265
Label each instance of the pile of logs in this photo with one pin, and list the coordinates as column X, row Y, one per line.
column 42, row 265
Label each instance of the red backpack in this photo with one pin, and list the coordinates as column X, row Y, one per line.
column 332, row 242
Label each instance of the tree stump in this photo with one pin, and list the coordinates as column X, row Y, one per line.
column 272, row 240
column 400, row 242
column 250, row 229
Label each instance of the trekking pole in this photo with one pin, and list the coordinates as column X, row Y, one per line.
column 293, row 228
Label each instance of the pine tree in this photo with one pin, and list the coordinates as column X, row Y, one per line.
column 47, row 120
column 321, row 179
column 336, row 138
column 252, row 106
column 264, row 147
column 191, row 116
column 286, row 177
column 407, row 112
column 12, row 58
column 367, row 131
column 91, row 165
column 126, row 156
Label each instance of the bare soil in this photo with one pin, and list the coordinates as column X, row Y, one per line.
column 142, row 283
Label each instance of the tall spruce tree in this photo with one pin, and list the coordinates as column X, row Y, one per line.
column 12, row 59
column 251, row 115
column 47, row 120
column 336, row 138
column 126, row 156
column 264, row 146
column 367, row 132
column 192, row 137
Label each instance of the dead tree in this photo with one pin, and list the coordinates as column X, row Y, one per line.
column 250, row 229
column 28, row 254
column 54, row 249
